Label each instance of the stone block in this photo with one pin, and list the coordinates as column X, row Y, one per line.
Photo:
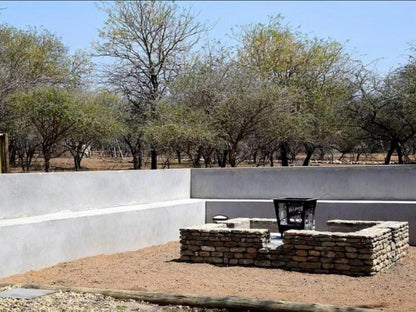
column 238, row 249
column 310, row 265
column 327, row 254
column 262, row 263
column 306, row 247
column 341, row 260
column 207, row 248
column 342, row 267
column 301, row 252
column 314, row 253
column 215, row 260
column 246, row 261
column 292, row 264
column 217, row 254
column 222, row 249
column 351, row 255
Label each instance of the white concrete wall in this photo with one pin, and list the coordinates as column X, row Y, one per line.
column 40, row 241
column 350, row 182
column 32, row 194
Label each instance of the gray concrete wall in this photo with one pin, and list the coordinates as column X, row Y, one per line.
column 43, row 193
column 36, row 242
column 367, row 210
column 249, row 208
column 351, row 182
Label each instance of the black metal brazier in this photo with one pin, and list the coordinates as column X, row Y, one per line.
column 294, row 213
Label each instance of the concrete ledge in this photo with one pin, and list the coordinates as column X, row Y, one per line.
column 35, row 242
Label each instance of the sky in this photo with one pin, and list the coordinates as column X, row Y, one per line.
column 371, row 30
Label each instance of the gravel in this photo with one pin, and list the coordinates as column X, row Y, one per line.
column 76, row 302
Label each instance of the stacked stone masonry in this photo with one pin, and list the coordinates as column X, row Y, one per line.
column 356, row 248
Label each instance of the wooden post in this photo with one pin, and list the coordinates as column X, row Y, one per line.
column 4, row 153
column 1, row 152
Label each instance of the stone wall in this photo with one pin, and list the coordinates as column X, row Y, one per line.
column 217, row 244
column 363, row 252
column 366, row 251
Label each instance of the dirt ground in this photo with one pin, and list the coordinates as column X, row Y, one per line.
column 156, row 269
column 96, row 162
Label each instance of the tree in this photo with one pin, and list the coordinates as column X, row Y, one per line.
column 385, row 109
column 312, row 70
column 149, row 41
column 52, row 111
column 33, row 57
column 234, row 99
column 182, row 129
column 28, row 59
column 98, row 120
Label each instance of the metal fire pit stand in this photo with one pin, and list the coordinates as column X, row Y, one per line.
column 295, row 213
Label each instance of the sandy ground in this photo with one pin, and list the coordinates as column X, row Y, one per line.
column 109, row 163
column 156, row 269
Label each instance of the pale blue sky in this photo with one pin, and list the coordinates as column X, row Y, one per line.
column 373, row 29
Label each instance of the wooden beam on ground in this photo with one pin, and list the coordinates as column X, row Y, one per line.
column 234, row 303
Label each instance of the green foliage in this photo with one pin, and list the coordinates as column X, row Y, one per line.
column 314, row 73
column 51, row 111
column 33, row 57
column 98, row 121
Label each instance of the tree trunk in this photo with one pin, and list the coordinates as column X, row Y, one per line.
column 284, row 148
column 77, row 161
column 390, row 152
column 222, row 158
column 232, row 157
column 46, row 158
column 153, row 155
column 228, row 303
column 196, row 161
column 178, row 153
column 399, row 153
column 309, row 153
column 271, row 160
column 137, row 160
column 321, row 154
column 13, row 151
column 136, row 152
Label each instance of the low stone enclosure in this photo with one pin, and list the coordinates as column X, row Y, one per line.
column 355, row 248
